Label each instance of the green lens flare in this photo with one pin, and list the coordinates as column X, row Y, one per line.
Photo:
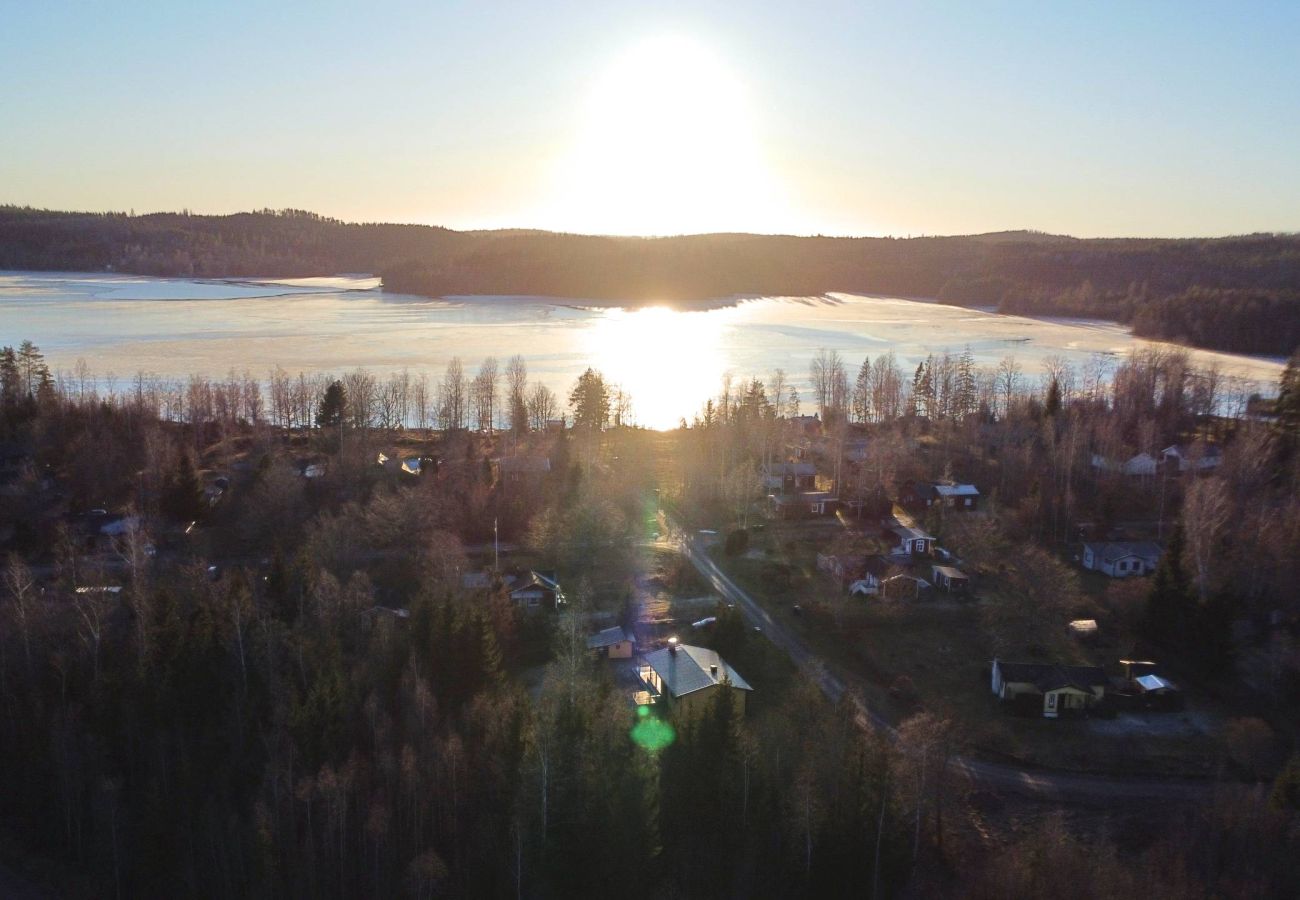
column 651, row 733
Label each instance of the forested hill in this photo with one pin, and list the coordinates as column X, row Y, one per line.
column 1237, row 293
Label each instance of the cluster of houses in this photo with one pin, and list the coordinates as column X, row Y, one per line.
column 1056, row 690
column 910, row 561
column 406, row 464
column 1198, row 457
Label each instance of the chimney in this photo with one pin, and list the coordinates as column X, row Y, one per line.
column 672, row 646
column 713, row 670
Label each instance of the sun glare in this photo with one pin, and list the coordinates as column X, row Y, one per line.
column 669, row 146
column 669, row 362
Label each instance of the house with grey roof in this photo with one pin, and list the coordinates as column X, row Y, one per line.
column 538, row 591
column 947, row 494
column 689, row 678
column 612, row 643
column 789, row 477
column 1198, row 457
column 1055, row 689
column 1121, row 559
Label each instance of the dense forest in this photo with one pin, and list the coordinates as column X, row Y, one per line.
column 1237, row 293
column 284, row 687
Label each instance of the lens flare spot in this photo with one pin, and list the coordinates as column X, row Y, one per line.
column 651, row 733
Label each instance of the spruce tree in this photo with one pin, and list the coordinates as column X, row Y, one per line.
column 10, row 379
column 1170, row 602
column 181, row 500
column 1288, row 396
column 332, row 406
column 1053, row 403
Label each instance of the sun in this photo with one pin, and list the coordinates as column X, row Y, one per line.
column 668, row 362
column 669, row 145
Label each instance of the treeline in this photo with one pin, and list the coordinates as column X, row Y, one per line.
column 277, row 729
column 284, row 244
column 1038, row 446
column 1240, row 293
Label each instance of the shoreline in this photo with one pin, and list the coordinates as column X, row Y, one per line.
column 359, row 283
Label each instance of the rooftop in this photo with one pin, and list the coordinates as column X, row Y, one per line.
column 607, row 638
column 908, row 532
column 956, row 490
column 1110, row 551
column 1051, row 676
column 687, row 669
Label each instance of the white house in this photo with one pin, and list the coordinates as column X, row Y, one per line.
column 1197, row 457
column 1121, row 559
column 1142, row 464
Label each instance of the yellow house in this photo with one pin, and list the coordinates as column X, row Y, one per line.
column 612, row 643
column 691, row 677
column 1063, row 689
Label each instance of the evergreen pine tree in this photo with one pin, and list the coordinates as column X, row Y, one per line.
column 1288, row 396
column 1053, row 403
column 1169, row 604
column 862, row 391
column 181, row 499
column 490, row 653
column 10, row 380
column 332, row 406
column 967, row 389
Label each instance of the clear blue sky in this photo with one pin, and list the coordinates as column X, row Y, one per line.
column 861, row 118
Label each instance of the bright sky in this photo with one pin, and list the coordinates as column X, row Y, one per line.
column 1145, row 118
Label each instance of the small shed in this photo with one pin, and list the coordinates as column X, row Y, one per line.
column 912, row 541
column 950, row 579
column 612, row 643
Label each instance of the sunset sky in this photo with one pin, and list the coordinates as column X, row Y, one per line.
column 856, row 118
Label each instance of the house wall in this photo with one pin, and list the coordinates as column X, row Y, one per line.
column 914, row 547
column 534, row 599
column 697, row 703
column 621, row 650
column 1012, row 689
column 1125, row 567
column 1067, row 700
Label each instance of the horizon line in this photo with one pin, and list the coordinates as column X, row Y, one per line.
column 185, row 211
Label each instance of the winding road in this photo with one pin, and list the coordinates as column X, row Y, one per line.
column 1058, row 786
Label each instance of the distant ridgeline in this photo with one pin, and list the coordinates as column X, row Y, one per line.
column 1240, row 293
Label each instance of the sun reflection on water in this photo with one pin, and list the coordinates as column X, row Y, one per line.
column 670, row 362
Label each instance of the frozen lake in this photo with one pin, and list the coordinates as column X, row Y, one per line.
column 670, row 362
